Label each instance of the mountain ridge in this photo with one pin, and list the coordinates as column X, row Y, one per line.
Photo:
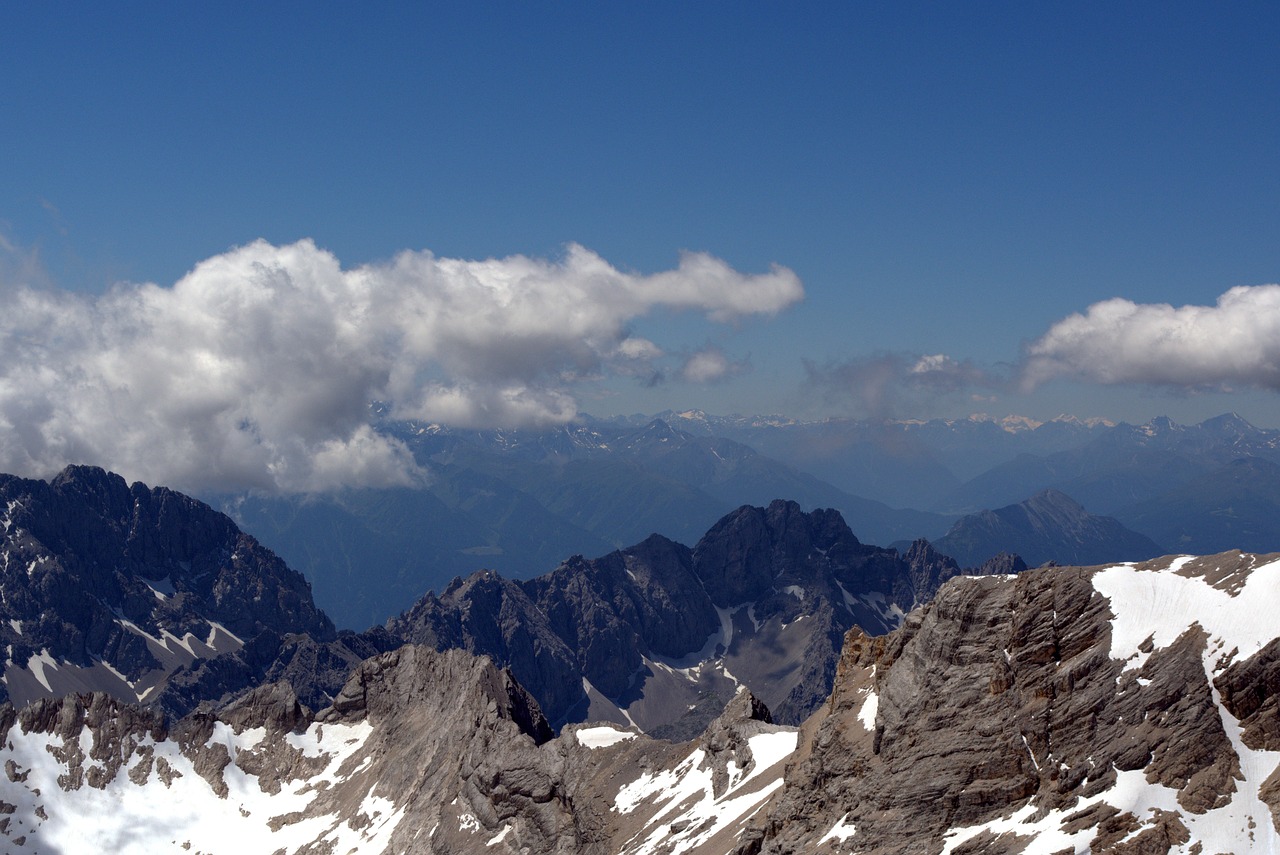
column 1045, row 711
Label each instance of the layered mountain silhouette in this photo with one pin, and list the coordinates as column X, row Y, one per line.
column 1049, row 526
column 1121, row 465
column 155, row 598
column 518, row 502
column 1235, row 506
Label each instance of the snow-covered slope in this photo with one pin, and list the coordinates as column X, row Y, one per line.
column 422, row 752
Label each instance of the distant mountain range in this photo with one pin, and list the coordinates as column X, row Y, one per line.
column 517, row 502
column 908, row 463
column 1049, row 526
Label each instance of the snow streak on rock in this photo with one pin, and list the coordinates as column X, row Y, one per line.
column 688, row 812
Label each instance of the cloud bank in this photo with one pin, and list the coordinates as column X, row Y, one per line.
column 1233, row 343
column 256, row 370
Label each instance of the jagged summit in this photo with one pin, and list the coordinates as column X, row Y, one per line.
column 105, row 585
column 661, row 636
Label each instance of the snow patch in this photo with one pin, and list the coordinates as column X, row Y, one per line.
column 37, row 665
column 601, row 737
column 121, row 816
column 162, row 588
column 840, row 831
column 1163, row 605
column 867, row 715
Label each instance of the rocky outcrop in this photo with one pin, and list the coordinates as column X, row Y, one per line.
column 1021, row 697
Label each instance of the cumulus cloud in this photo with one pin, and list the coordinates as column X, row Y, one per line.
column 257, row 368
column 885, row 385
column 1235, row 342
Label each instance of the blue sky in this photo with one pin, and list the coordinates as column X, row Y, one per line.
column 943, row 179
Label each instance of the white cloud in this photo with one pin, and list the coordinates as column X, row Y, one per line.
column 256, row 369
column 710, row 365
column 638, row 348
column 1235, row 342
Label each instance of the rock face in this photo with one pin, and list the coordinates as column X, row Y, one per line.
column 1050, row 526
column 1126, row 709
column 662, row 636
column 116, row 587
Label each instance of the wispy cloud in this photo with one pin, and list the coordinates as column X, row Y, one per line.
column 886, row 385
column 257, row 368
column 1235, row 342
column 712, row 365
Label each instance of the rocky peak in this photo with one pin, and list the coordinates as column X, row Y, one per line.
column 412, row 676
column 116, row 587
column 1002, row 564
column 1048, row 526
column 1229, row 425
column 660, row 636
column 927, row 569
column 740, row 558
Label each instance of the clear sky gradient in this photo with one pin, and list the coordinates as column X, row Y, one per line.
column 943, row 179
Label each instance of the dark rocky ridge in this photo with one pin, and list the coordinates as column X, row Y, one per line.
column 100, row 575
column 97, row 572
column 733, row 602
